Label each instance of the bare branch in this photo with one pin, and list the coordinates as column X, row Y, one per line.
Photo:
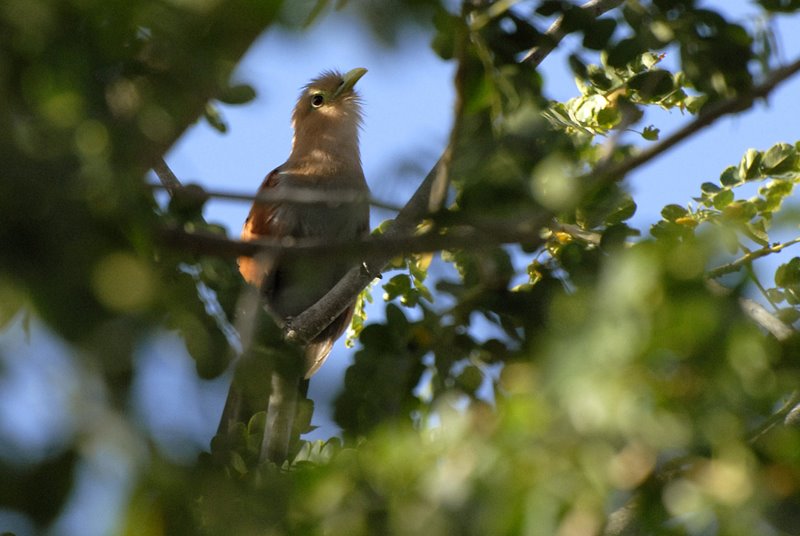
column 554, row 33
column 298, row 196
column 748, row 258
column 765, row 319
column 390, row 244
column 168, row 179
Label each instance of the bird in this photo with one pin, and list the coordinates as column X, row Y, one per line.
column 325, row 162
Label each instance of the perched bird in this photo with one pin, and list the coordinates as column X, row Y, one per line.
column 325, row 161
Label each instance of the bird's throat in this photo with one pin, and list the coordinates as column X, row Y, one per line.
column 325, row 155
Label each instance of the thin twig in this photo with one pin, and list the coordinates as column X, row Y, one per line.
column 748, row 258
column 298, row 196
column 554, row 34
column 759, row 314
column 168, row 179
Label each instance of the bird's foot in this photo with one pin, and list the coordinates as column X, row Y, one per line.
column 289, row 333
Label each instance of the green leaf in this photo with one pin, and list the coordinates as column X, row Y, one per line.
column 599, row 78
column 758, row 232
column 447, row 31
column 625, row 209
column 775, row 296
column 652, row 84
column 651, row 133
column 788, row 315
column 597, row 35
column 215, row 119
column 749, row 166
column 788, row 275
column 740, row 210
column 238, row 94
column 694, row 103
column 608, row 117
column 578, row 66
column 710, row 188
column 730, row 177
column 12, row 300
column 780, row 6
column 399, row 285
column 470, row 379
column 623, row 52
column 187, row 202
column 549, row 7
column 237, row 463
column 673, row 212
column 780, row 158
column 722, row 199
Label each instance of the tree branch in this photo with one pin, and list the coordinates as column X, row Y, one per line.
column 168, row 179
column 458, row 237
column 554, row 33
column 708, row 116
column 748, row 258
column 298, row 196
column 765, row 319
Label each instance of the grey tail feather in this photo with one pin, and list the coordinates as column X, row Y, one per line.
column 281, row 412
column 286, row 395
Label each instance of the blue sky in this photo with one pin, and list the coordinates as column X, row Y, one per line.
column 408, row 103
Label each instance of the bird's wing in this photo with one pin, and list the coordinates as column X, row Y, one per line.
column 260, row 223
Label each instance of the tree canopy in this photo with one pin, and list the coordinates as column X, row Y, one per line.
column 630, row 381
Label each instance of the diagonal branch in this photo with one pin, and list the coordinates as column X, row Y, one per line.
column 555, row 33
column 168, row 179
column 748, row 258
column 708, row 115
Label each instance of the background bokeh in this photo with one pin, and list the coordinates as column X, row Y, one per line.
column 408, row 99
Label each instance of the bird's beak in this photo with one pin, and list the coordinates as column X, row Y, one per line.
column 350, row 80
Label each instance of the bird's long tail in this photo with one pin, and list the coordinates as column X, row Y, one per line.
column 282, row 411
column 288, row 410
column 287, row 413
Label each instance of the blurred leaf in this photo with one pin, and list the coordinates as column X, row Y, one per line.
column 652, row 84
column 597, row 35
column 238, row 94
column 41, row 490
column 788, row 275
column 673, row 212
column 623, row 52
column 780, row 6
column 215, row 119
column 651, row 133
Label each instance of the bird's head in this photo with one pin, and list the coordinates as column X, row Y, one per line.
column 328, row 115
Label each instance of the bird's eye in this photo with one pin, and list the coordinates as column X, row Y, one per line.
column 317, row 100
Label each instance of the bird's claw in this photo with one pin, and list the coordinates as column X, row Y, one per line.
column 289, row 333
